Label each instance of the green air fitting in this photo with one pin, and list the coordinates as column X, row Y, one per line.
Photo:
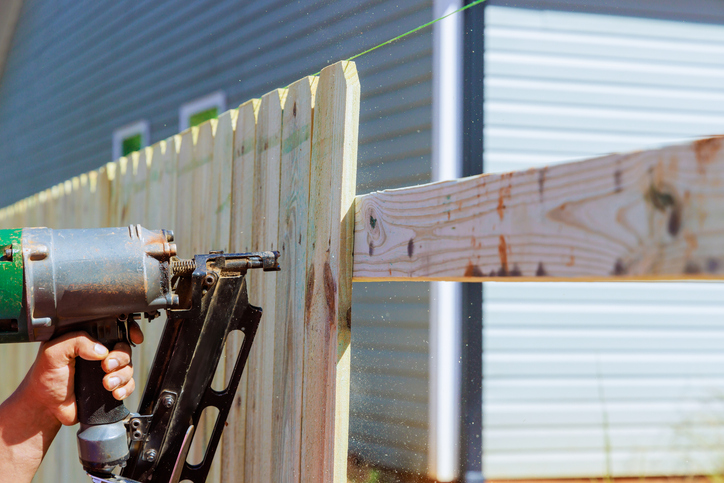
column 13, row 326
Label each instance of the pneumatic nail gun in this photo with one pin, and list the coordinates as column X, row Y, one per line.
column 98, row 280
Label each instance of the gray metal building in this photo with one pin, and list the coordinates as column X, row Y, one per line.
column 579, row 380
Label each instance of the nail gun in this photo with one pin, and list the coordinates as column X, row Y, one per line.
column 99, row 280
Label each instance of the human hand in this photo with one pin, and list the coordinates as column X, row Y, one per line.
column 50, row 379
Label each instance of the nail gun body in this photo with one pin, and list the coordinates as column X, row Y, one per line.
column 56, row 281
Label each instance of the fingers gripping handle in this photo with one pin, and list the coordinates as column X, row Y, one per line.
column 102, row 438
column 96, row 405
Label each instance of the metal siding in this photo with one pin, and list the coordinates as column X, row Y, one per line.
column 79, row 70
column 388, row 409
column 591, row 380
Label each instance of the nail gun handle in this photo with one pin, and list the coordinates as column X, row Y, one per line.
column 96, row 405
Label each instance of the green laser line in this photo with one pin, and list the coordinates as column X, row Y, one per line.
column 416, row 29
column 476, row 2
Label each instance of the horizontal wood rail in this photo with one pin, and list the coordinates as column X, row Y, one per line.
column 646, row 215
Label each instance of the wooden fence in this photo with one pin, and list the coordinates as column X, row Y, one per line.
column 279, row 173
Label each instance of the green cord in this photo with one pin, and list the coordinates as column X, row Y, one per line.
column 476, row 2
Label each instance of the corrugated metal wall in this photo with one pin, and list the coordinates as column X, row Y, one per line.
column 600, row 379
column 79, row 70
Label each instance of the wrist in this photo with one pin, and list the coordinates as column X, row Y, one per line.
column 27, row 428
column 25, row 408
column 29, row 402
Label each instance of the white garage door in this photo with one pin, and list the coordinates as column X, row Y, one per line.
column 600, row 379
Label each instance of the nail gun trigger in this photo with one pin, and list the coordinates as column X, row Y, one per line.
column 123, row 331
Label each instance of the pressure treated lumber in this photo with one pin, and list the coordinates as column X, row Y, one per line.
column 196, row 177
column 325, row 408
column 647, row 215
column 291, row 286
column 199, row 174
column 260, row 391
column 184, row 191
column 241, row 213
column 218, row 216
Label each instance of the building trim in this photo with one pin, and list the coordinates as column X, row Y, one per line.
column 215, row 99
column 446, row 297
column 141, row 127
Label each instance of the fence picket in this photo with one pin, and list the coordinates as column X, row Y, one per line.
column 291, row 281
column 329, row 282
column 261, row 359
column 215, row 231
column 241, row 227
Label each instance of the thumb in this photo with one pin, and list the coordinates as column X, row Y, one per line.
column 78, row 344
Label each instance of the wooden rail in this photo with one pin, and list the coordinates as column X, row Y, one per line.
column 278, row 173
column 647, row 215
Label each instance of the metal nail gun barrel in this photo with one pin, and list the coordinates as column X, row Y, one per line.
column 98, row 280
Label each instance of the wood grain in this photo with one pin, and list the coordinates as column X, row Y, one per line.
column 291, row 280
column 138, row 205
column 221, row 181
column 241, row 213
column 200, row 193
column 648, row 215
column 264, row 237
column 218, row 215
column 102, row 199
column 184, row 190
column 161, row 198
column 124, row 186
column 85, row 200
column 112, row 172
column 328, row 297
column 195, row 176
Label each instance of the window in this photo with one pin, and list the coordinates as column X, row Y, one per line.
column 202, row 109
column 130, row 138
